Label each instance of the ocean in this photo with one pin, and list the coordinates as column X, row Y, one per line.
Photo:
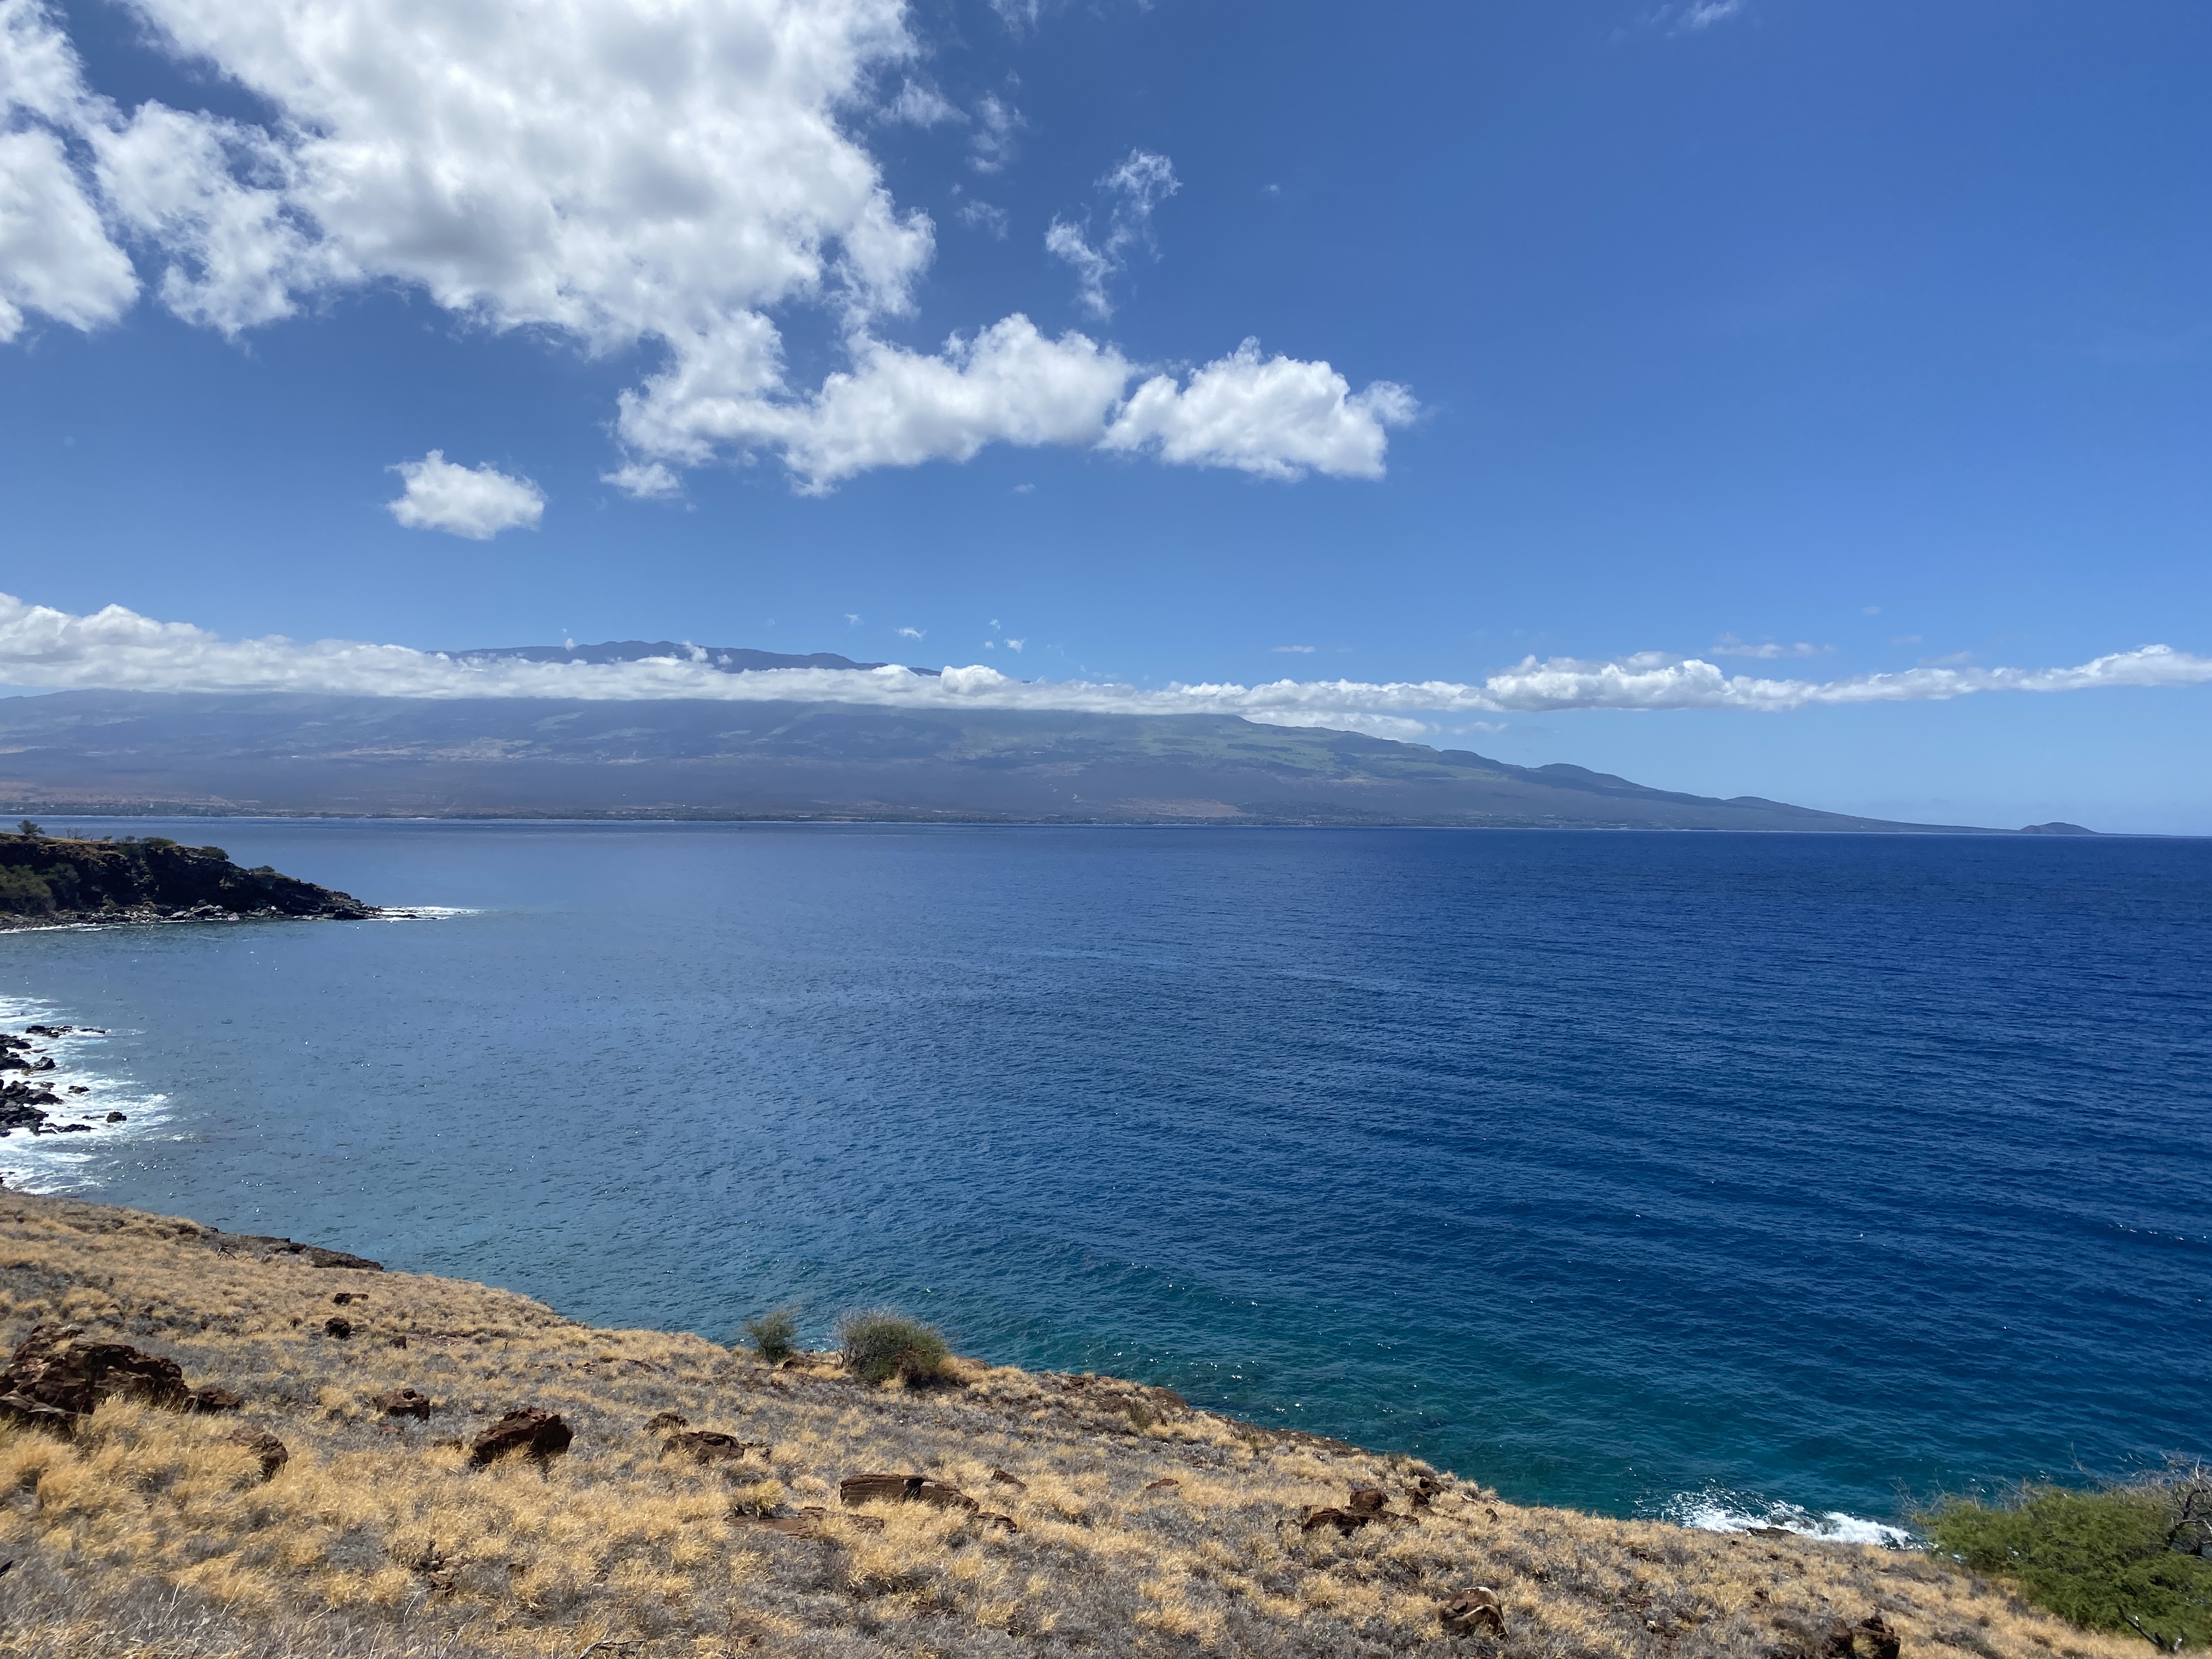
column 1733, row 1179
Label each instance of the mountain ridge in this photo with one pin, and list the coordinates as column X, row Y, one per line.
column 289, row 753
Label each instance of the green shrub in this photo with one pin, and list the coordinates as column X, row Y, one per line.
column 2122, row 1558
column 23, row 894
column 28, row 827
column 215, row 852
column 774, row 1336
column 880, row 1344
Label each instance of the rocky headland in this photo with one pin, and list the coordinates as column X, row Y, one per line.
column 236, row 1446
column 53, row 880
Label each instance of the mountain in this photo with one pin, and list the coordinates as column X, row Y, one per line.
column 194, row 753
column 730, row 659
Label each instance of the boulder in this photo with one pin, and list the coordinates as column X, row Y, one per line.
column 661, row 1422
column 112, row 1117
column 857, row 1489
column 1427, row 1490
column 539, row 1433
column 1014, row 1481
column 263, row 1446
column 1345, row 1521
column 56, row 1366
column 706, row 1446
column 404, row 1402
column 213, row 1399
column 1476, row 1613
column 1366, row 1500
column 338, row 1325
column 20, row 1411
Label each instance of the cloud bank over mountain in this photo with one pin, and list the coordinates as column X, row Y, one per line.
column 117, row 649
column 619, row 175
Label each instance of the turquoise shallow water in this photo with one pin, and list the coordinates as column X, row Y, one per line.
column 1657, row 1173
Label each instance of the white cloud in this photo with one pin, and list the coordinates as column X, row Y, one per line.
column 624, row 176
column 911, row 632
column 1018, row 14
column 477, row 504
column 1134, row 188
column 991, row 146
column 982, row 215
column 1703, row 14
column 920, row 106
column 118, row 649
column 1277, row 417
column 1303, row 650
column 1729, row 646
column 1016, row 645
column 644, row 481
column 56, row 256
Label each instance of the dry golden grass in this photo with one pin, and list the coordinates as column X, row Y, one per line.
column 152, row 1537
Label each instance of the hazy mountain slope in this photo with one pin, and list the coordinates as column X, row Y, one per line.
column 283, row 753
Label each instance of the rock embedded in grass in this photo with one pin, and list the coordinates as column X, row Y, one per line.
column 541, row 1434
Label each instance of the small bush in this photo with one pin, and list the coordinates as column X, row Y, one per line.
column 774, row 1336
column 880, row 1344
column 23, row 894
column 2124, row 1559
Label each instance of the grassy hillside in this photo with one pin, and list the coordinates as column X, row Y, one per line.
column 1109, row 1519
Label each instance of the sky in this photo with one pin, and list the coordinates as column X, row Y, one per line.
column 1745, row 396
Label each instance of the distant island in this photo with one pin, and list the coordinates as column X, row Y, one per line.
column 49, row 880
column 284, row 754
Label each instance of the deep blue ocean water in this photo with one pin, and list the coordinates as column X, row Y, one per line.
column 1684, row 1174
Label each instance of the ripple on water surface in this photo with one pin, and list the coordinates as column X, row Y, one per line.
column 1745, row 1179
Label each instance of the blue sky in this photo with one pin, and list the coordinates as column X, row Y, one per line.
column 1881, row 331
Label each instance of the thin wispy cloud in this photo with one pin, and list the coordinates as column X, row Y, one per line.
column 1729, row 646
column 118, row 649
column 1129, row 192
column 1304, row 650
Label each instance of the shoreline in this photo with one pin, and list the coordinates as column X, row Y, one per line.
column 702, row 1492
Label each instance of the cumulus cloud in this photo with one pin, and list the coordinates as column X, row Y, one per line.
column 118, row 649
column 56, row 256
column 477, row 503
column 663, row 178
column 1276, row 416
column 1132, row 190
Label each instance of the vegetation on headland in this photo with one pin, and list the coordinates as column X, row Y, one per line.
column 2135, row 1556
column 699, row 1504
column 49, row 879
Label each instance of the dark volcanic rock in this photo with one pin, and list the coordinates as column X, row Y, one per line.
column 213, row 1399
column 339, row 1326
column 706, row 1446
column 317, row 1256
column 55, row 1366
column 404, row 1402
column 1476, row 1613
column 263, row 1446
column 52, row 878
column 539, row 1433
column 902, row 1489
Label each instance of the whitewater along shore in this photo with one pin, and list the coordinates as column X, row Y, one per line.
column 219, row 1445
column 48, row 881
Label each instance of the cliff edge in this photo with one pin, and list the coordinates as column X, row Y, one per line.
column 49, row 879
